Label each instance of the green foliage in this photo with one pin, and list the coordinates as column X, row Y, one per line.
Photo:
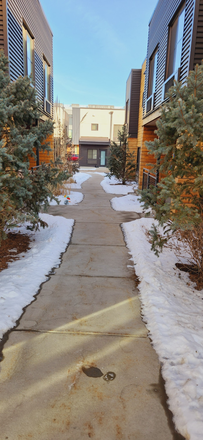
column 22, row 133
column 177, row 201
column 121, row 162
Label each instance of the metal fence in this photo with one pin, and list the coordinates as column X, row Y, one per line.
column 149, row 179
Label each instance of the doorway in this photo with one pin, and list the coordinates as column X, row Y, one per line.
column 102, row 158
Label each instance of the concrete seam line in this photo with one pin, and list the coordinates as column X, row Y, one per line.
column 119, row 335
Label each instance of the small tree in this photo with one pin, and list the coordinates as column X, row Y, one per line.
column 177, row 201
column 121, row 162
column 22, row 133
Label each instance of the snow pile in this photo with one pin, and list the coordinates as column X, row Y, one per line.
column 79, row 179
column 21, row 280
column 114, row 186
column 129, row 203
column 173, row 312
column 75, row 198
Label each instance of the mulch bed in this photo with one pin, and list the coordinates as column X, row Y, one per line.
column 15, row 244
column 194, row 275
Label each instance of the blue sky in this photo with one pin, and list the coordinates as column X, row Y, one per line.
column 96, row 44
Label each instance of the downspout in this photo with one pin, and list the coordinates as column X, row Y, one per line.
column 111, row 118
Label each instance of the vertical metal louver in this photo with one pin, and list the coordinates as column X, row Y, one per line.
column 15, row 47
column 158, row 35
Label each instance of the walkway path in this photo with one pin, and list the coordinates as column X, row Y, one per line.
column 84, row 324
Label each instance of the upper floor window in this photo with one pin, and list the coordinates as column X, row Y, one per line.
column 94, row 127
column 152, row 74
column 175, row 43
column 116, row 129
column 28, row 49
column 46, row 80
column 152, row 81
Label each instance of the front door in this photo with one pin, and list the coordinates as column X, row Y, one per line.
column 102, row 158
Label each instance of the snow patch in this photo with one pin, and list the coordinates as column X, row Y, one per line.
column 173, row 312
column 22, row 279
column 114, row 186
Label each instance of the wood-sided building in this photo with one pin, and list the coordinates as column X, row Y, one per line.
column 175, row 46
column 27, row 40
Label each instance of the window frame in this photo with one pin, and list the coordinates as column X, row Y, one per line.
column 46, row 80
column 92, row 150
column 151, row 87
column 94, row 129
column 28, row 58
column 173, row 71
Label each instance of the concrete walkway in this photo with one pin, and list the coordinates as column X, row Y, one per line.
column 80, row 365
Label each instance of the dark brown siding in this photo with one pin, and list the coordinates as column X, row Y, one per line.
column 134, row 102
column 158, row 37
column 30, row 13
column 3, row 27
column 197, row 46
column 83, row 154
column 133, row 99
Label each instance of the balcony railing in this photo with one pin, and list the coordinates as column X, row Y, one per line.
column 149, row 179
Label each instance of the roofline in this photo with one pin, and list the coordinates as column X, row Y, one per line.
column 153, row 13
column 45, row 17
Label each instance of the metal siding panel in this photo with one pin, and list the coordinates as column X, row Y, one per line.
column 30, row 12
column 134, row 102
column 198, row 50
column 158, row 36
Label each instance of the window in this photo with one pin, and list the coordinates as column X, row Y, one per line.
column 28, row 49
column 152, row 74
column 152, row 81
column 46, row 80
column 94, row 127
column 175, row 43
column 116, row 129
column 92, row 154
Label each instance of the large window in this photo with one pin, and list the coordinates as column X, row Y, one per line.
column 92, row 154
column 175, row 43
column 152, row 74
column 46, row 80
column 152, row 81
column 28, row 48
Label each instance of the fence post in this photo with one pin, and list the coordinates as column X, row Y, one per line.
column 157, row 177
column 148, row 175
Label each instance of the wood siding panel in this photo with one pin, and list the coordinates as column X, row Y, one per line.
column 132, row 146
column 44, row 156
column 145, row 157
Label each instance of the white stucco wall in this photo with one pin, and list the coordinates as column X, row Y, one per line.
column 106, row 118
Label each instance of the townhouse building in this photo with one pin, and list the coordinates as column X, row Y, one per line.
column 27, row 41
column 93, row 129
